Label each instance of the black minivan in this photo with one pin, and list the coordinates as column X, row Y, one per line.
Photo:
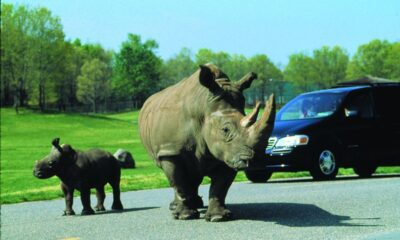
column 353, row 125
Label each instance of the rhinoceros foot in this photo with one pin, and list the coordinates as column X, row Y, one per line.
column 88, row 211
column 186, row 215
column 219, row 214
column 117, row 205
column 99, row 208
column 196, row 202
column 182, row 212
column 68, row 213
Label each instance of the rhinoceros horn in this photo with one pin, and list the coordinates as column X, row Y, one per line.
column 250, row 119
column 262, row 129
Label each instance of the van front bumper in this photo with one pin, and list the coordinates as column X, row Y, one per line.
column 285, row 160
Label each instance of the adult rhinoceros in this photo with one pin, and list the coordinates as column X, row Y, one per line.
column 198, row 128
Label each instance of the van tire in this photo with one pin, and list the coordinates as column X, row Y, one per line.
column 258, row 176
column 324, row 165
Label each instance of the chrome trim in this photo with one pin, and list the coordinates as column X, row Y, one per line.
column 282, row 150
column 271, row 142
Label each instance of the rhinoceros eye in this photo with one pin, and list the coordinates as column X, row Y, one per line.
column 227, row 132
column 52, row 163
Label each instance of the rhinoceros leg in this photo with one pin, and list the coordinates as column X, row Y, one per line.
column 85, row 198
column 69, row 199
column 117, row 204
column 197, row 200
column 185, row 192
column 221, row 180
column 101, row 195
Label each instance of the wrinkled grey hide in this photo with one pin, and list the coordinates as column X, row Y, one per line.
column 198, row 128
column 81, row 170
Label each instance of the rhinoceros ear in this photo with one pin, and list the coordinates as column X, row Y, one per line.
column 207, row 78
column 246, row 81
column 56, row 144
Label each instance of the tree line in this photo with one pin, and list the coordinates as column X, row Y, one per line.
column 39, row 67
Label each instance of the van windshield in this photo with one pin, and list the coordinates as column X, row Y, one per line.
column 314, row 105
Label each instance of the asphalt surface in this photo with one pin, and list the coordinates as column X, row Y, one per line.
column 348, row 208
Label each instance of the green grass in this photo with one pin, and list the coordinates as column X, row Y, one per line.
column 26, row 138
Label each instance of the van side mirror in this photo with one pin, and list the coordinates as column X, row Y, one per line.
column 351, row 113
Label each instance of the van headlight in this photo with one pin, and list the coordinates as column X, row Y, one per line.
column 292, row 141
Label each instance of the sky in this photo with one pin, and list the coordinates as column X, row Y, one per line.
column 276, row 28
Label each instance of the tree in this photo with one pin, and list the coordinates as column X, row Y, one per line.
column 16, row 54
column 47, row 42
column 324, row 69
column 136, row 69
column 269, row 76
column 370, row 60
column 301, row 72
column 31, row 46
column 69, row 70
column 75, row 56
column 93, row 83
column 330, row 65
column 237, row 67
column 177, row 68
column 392, row 62
column 221, row 59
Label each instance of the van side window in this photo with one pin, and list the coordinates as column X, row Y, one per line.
column 360, row 105
column 387, row 100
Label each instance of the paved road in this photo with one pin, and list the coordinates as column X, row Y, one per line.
column 349, row 208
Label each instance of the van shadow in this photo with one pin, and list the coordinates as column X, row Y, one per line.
column 294, row 215
column 338, row 178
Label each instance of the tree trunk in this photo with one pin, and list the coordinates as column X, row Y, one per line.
column 6, row 97
column 42, row 96
column 262, row 92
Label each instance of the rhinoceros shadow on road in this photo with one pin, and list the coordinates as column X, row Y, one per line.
column 294, row 215
column 125, row 210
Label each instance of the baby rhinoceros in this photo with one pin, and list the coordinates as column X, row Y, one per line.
column 81, row 170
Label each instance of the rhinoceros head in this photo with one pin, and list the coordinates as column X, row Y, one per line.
column 59, row 158
column 231, row 136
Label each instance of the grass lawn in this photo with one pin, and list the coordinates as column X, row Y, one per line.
column 26, row 138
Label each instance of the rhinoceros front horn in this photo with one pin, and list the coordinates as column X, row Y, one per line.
column 251, row 118
column 262, row 129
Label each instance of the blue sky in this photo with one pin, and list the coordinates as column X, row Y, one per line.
column 276, row 28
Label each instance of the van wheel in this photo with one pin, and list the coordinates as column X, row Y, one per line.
column 365, row 171
column 324, row 164
column 258, row 176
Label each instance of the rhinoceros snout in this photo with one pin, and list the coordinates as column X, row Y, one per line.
column 37, row 173
column 240, row 163
column 42, row 174
column 41, row 170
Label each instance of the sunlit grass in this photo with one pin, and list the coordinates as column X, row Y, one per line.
column 26, row 138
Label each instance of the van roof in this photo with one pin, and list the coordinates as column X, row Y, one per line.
column 363, row 82
column 369, row 81
column 339, row 89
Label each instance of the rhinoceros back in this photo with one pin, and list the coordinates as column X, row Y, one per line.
column 165, row 127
